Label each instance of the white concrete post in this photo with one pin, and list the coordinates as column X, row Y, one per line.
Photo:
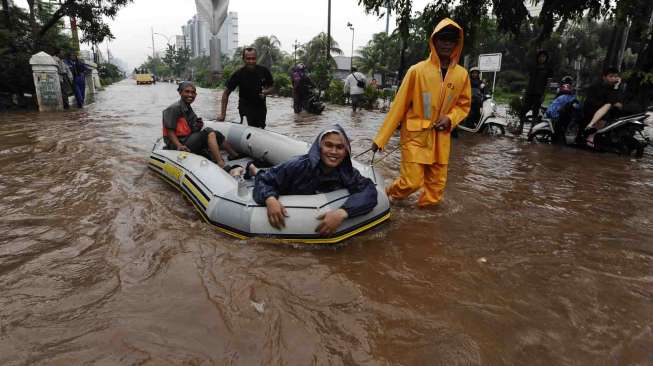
column 90, row 83
column 46, row 82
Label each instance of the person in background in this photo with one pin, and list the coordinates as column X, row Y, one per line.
column 478, row 93
column 79, row 71
column 434, row 97
column 355, row 87
column 182, row 129
column 538, row 76
column 65, row 76
column 603, row 100
column 297, row 75
column 254, row 82
column 325, row 168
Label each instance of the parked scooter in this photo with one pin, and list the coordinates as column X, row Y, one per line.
column 488, row 122
column 617, row 136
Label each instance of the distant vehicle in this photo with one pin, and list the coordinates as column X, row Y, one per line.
column 144, row 79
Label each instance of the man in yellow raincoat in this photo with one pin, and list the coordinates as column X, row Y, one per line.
column 433, row 98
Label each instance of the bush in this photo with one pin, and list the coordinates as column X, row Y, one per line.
column 334, row 93
column 516, row 105
column 282, row 84
column 371, row 97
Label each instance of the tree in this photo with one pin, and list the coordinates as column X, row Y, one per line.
column 314, row 50
column 267, row 49
column 374, row 57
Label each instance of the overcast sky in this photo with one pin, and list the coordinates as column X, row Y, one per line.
column 289, row 20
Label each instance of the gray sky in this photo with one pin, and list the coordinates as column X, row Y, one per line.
column 289, row 20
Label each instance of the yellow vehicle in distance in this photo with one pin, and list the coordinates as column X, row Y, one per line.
column 144, row 78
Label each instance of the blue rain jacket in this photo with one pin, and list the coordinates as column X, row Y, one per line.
column 304, row 175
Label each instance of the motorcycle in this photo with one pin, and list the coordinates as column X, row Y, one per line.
column 617, row 135
column 312, row 104
column 488, row 121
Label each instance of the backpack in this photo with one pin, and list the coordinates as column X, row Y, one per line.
column 359, row 83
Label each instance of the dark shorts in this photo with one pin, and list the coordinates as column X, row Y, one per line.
column 356, row 98
column 255, row 116
column 197, row 142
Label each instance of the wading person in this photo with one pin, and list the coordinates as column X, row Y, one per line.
column 327, row 167
column 254, row 82
column 355, row 86
column 182, row 129
column 79, row 71
column 434, row 97
column 65, row 76
column 538, row 76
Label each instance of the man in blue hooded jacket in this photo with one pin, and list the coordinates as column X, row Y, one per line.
column 326, row 168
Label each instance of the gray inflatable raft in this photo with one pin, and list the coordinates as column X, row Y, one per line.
column 226, row 202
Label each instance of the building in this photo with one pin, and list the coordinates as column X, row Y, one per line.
column 180, row 42
column 197, row 35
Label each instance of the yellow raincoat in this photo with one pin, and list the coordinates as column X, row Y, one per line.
column 422, row 98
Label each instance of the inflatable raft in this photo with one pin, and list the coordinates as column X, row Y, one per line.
column 226, row 202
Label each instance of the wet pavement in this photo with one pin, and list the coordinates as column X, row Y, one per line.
column 539, row 255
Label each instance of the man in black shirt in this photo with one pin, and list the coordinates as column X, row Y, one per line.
column 254, row 82
column 538, row 76
column 603, row 100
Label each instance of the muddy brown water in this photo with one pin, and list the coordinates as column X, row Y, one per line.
column 539, row 255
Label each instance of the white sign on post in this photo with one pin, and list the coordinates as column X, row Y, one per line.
column 489, row 62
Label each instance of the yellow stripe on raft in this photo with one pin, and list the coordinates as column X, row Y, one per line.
column 202, row 212
column 200, row 197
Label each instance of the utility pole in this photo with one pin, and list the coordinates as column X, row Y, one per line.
column 74, row 34
column 153, row 53
column 387, row 17
column 328, row 50
column 351, row 60
column 294, row 55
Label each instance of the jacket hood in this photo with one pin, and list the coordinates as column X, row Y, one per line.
column 314, row 151
column 455, row 55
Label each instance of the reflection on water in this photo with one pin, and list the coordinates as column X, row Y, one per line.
column 538, row 255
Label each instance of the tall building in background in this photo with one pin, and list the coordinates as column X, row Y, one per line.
column 180, row 41
column 196, row 35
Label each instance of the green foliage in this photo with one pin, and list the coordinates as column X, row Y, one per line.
column 335, row 92
column 371, row 97
column 109, row 73
column 321, row 74
column 267, row 50
column 313, row 53
column 282, row 84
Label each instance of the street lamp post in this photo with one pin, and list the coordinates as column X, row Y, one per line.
column 294, row 55
column 153, row 53
column 351, row 61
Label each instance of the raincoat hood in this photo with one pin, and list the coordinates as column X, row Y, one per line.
column 455, row 55
column 314, row 151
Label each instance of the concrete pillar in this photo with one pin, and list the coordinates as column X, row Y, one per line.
column 215, row 58
column 89, row 93
column 46, row 82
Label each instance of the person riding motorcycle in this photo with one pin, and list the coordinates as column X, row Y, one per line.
column 563, row 110
column 478, row 93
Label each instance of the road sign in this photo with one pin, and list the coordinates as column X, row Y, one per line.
column 489, row 62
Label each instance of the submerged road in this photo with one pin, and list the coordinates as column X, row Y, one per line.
column 539, row 255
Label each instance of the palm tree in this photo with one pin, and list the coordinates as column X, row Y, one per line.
column 268, row 50
column 313, row 51
column 375, row 56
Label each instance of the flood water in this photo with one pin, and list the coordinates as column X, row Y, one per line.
column 538, row 255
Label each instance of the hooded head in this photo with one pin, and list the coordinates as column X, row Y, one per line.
column 187, row 91
column 446, row 40
column 332, row 149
